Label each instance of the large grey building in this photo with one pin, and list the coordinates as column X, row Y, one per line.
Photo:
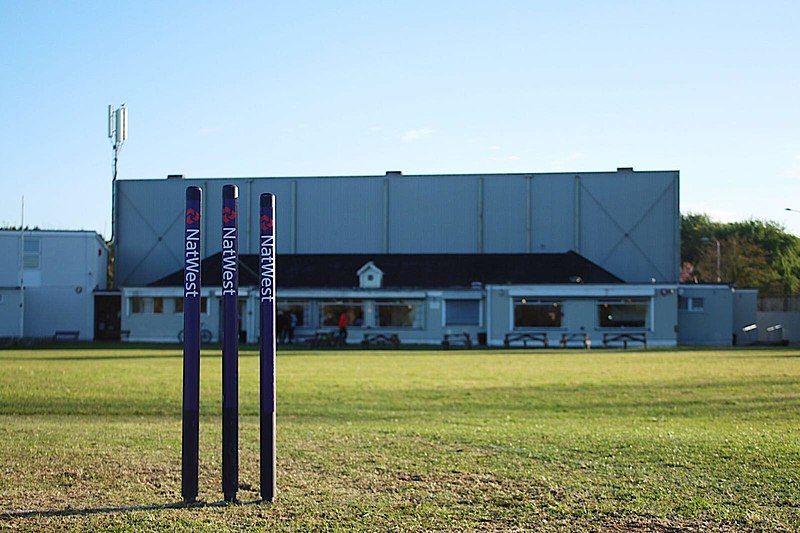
column 572, row 256
column 626, row 222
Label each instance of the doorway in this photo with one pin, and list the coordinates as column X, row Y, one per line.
column 107, row 309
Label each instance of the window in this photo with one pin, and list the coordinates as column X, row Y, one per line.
column 141, row 305
column 692, row 304
column 158, row 305
column 329, row 313
column 627, row 313
column 462, row 312
column 536, row 314
column 298, row 309
column 399, row 314
column 179, row 305
column 31, row 251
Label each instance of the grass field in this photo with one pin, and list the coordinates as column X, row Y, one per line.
column 412, row 440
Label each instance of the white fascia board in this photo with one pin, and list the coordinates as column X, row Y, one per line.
column 461, row 295
column 171, row 292
column 580, row 290
column 243, row 291
column 708, row 287
column 349, row 293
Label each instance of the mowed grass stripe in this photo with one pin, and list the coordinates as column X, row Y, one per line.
column 416, row 439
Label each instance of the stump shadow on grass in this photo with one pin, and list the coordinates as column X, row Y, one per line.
column 88, row 511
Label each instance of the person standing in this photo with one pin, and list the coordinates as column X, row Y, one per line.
column 280, row 326
column 343, row 328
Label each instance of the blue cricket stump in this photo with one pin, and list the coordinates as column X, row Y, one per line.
column 191, row 347
column 230, row 342
column 267, row 344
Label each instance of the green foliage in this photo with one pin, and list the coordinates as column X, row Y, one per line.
column 503, row 440
column 754, row 253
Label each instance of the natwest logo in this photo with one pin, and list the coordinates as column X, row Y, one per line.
column 228, row 215
column 266, row 222
column 192, row 216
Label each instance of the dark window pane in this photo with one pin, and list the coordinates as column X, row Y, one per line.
column 398, row 314
column 298, row 309
column 536, row 314
column 354, row 312
column 31, row 246
column 624, row 314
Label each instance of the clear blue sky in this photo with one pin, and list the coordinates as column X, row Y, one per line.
column 325, row 88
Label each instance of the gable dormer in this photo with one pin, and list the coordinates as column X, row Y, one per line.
column 370, row 276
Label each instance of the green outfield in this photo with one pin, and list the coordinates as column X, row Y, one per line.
column 412, row 440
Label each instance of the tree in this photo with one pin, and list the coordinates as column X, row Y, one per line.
column 754, row 253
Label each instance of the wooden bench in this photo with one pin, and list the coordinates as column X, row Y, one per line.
column 625, row 338
column 381, row 339
column 66, row 335
column 583, row 338
column 459, row 339
column 525, row 338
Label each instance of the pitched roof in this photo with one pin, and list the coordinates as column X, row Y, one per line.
column 409, row 270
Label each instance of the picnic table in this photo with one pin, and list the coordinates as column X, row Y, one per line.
column 583, row 338
column 624, row 338
column 525, row 337
column 381, row 339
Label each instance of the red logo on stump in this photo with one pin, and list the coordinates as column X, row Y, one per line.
column 192, row 216
column 228, row 215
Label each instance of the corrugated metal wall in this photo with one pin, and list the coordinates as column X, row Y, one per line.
column 627, row 222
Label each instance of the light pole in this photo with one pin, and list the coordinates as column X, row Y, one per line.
column 719, row 256
column 792, row 210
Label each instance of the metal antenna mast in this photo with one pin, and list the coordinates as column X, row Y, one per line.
column 118, row 133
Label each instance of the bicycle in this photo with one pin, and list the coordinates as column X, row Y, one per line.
column 205, row 335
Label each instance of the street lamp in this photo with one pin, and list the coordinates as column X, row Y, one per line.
column 792, row 210
column 719, row 256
